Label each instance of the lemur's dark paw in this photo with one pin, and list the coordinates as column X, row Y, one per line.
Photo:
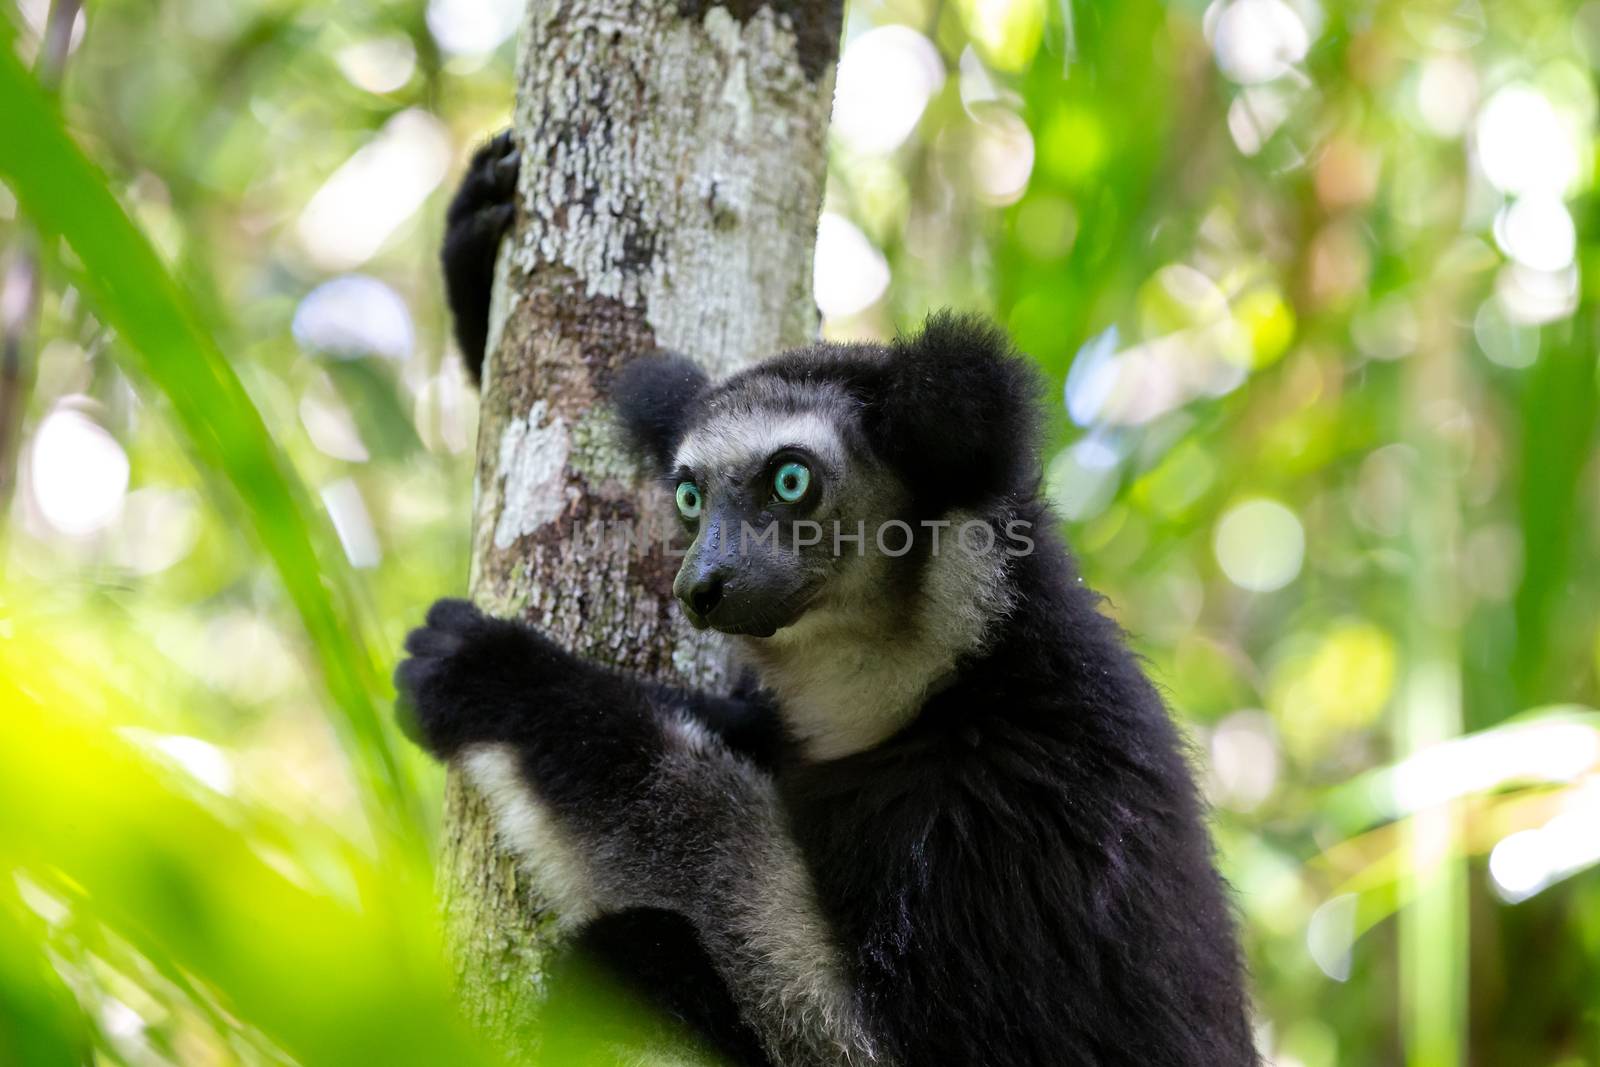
column 479, row 213
column 469, row 677
column 427, row 692
column 487, row 192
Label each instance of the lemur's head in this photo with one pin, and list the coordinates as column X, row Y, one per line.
column 799, row 478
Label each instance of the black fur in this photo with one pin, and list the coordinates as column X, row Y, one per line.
column 472, row 679
column 637, row 967
column 476, row 220
column 953, row 408
column 1021, row 876
column 653, row 395
column 958, row 415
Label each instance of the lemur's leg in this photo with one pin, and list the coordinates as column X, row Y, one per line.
column 476, row 220
column 657, row 955
column 629, row 801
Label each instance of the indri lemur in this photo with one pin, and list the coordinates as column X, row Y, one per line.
column 954, row 825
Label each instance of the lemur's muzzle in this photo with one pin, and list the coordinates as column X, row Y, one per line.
column 736, row 584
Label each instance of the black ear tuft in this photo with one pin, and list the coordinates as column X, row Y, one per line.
column 959, row 413
column 652, row 395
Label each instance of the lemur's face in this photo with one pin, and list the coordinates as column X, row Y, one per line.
column 783, row 499
column 801, row 480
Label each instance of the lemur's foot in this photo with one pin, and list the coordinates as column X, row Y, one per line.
column 471, row 678
column 485, row 196
column 479, row 214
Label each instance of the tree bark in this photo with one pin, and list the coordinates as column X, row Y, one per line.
column 673, row 165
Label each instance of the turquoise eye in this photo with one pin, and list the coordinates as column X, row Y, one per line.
column 791, row 482
column 689, row 500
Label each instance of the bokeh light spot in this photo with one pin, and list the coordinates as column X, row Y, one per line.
column 1523, row 144
column 473, row 27
column 1046, row 226
column 1002, row 157
column 1537, row 231
column 157, row 528
column 353, row 316
column 850, row 274
column 1244, row 760
column 1256, row 40
column 379, row 65
column 376, row 190
column 1083, row 479
column 1329, row 684
column 1073, row 146
column 886, row 77
column 353, row 523
column 1528, row 861
column 1269, row 321
column 79, row 473
column 1007, row 32
column 1330, row 935
column 1532, row 297
column 1447, row 91
column 1260, row 545
column 1510, row 344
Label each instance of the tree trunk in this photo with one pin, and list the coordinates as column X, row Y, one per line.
column 673, row 163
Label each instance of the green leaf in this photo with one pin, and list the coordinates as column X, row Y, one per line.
column 331, row 979
column 62, row 193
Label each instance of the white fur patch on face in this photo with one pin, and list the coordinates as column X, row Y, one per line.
column 531, row 833
column 729, row 442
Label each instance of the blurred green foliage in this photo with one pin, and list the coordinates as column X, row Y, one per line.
column 1312, row 281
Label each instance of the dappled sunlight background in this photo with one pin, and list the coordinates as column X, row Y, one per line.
column 1314, row 286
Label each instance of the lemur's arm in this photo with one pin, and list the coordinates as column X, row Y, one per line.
column 623, row 799
column 745, row 720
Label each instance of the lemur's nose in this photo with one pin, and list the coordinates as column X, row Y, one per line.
column 706, row 594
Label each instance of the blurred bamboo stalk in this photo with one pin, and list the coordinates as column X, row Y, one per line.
column 1433, row 919
column 19, row 289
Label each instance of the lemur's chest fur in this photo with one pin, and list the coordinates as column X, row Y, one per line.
column 857, row 668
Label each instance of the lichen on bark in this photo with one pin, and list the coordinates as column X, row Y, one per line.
column 672, row 174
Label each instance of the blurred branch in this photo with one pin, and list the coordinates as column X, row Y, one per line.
column 19, row 304
column 19, row 289
column 52, row 62
column 1434, row 926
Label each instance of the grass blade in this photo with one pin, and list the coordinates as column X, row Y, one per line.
column 62, row 193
